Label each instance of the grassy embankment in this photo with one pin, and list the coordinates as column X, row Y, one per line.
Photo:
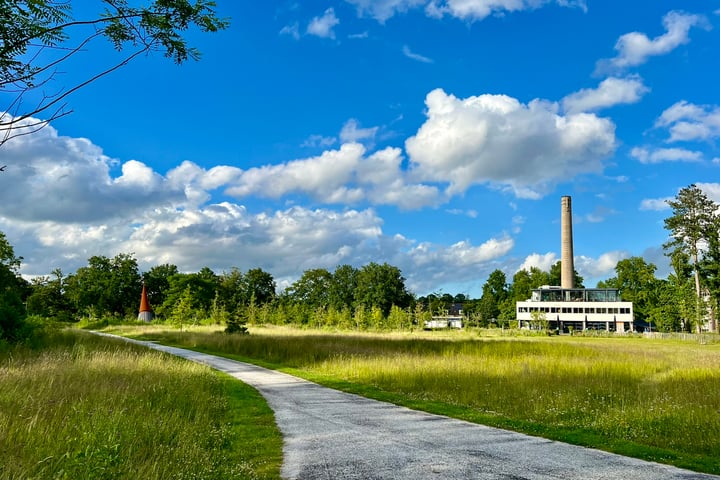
column 652, row 399
column 83, row 406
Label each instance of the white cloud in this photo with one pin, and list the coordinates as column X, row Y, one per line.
column 81, row 210
column 352, row 132
column 655, row 204
column 495, row 139
column 635, row 48
column 382, row 10
column 415, row 56
column 479, row 9
column 601, row 268
column 712, row 190
column 461, row 212
column 599, row 214
column 659, row 155
column 361, row 35
column 315, row 141
column 51, row 177
column 690, row 122
column 611, row 91
column 541, row 261
column 323, row 177
column 460, row 262
column 323, row 26
column 292, row 30
column 345, row 176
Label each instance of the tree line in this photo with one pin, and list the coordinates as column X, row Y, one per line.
column 371, row 297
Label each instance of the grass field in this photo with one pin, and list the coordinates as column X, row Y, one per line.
column 651, row 399
column 86, row 407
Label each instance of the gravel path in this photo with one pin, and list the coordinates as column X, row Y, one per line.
column 333, row 435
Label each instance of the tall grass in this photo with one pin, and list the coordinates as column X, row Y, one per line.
column 653, row 399
column 89, row 407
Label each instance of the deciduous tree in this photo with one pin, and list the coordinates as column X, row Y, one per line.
column 40, row 36
column 381, row 286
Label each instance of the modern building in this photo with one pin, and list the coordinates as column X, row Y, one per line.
column 453, row 318
column 577, row 309
column 566, row 307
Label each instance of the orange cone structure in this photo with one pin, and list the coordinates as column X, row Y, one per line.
column 146, row 313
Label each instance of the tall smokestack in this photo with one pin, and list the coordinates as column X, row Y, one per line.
column 567, row 268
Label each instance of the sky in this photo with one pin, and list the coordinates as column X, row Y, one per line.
column 435, row 135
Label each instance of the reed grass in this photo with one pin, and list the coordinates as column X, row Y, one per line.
column 652, row 399
column 91, row 407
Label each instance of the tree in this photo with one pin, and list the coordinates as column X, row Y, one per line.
column 47, row 298
column 381, row 286
column 157, row 283
column 312, row 288
column 683, row 290
column 232, row 290
column 692, row 226
column 556, row 274
column 260, row 286
column 342, row 287
column 637, row 283
column 40, row 36
column 664, row 315
column 105, row 286
column 710, row 271
column 196, row 290
column 494, row 293
column 13, row 290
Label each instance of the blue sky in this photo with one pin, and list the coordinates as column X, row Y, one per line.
column 437, row 136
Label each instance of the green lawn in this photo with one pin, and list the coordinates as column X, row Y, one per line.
column 84, row 406
column 652, row 399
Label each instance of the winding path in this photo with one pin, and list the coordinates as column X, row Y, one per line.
column 334, row 435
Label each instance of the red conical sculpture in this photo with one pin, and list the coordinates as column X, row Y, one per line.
column 146, row 313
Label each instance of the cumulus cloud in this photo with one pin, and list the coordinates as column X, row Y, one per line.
column 415, row 56
column 497, row 140
column 538, row 260
column 63, row 179
column 342, row 176
column 601, row 267
column 611, row 91
column 660, row 155
column 690, row 122
column 61, row 205
column 635, row 48
column 471, row 10
column 457, row 263
column 479, row 9
column 323, row 26
column 323, row 177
